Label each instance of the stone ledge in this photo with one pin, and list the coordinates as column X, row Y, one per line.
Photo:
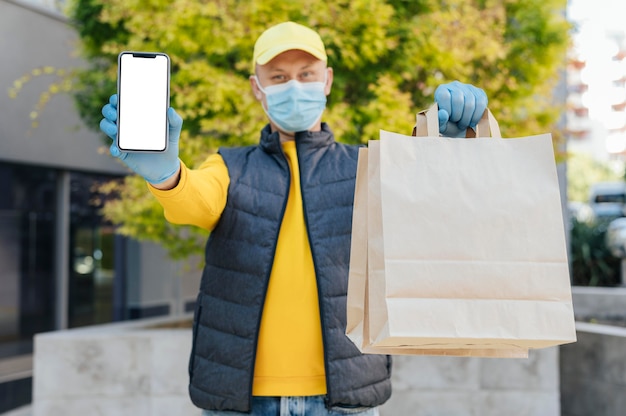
column 599, row 302
column 133, row 367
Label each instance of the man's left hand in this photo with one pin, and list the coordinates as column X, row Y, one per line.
column 460, row 106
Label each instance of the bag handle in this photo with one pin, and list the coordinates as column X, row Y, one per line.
column 427, row 124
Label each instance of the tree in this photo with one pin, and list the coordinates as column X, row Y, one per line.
column 388, row 57
column 583, row 171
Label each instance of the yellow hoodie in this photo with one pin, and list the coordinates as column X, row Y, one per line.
column 290, row 356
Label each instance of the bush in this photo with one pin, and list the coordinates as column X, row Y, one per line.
column 592, row 264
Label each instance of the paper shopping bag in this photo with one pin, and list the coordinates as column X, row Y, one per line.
column 357, row 328
column 355, row 303
column 470, row 250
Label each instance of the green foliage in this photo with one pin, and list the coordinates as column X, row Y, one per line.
column 583, row 171
column 388, row 58
column 592, row 264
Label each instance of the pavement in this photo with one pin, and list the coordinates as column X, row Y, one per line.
column 20, row 411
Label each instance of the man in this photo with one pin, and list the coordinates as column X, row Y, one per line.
column 269, row 328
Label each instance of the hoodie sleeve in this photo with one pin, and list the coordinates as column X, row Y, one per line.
column 200, row 196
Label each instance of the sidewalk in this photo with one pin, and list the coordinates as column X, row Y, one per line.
column 20, row 411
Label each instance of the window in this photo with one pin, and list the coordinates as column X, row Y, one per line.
column 28, row 238
column 27, row 216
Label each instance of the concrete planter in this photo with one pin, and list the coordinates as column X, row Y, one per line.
column 600, row 304
column 132, row 368
column 445, row 386
column 593, row 370
column 140, row 368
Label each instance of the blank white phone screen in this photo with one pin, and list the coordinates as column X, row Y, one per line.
column 143, row 95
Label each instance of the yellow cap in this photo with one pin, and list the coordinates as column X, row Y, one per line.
column 284, row 37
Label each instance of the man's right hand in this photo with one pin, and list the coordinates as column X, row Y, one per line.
column 156, row 168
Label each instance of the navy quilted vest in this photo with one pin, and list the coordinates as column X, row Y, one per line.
column 239, row 257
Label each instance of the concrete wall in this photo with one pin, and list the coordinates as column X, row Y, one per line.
column 94, row 365
column 129, row 369
column 599, row 302
column 449, row 386
column 31, row 39
column 113, row 370
column 124, row 368
column 593, row 372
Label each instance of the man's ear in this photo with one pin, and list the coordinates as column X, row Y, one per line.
column 258, row 94
column 329, row 80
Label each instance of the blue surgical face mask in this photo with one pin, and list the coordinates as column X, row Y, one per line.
column 294, row 106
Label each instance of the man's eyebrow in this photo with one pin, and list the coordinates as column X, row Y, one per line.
column 278, row 69
column 307, row 66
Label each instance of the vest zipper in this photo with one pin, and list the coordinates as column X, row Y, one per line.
column 267, row 280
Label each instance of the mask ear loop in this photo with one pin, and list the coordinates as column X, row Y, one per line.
column 260, row 87
column 258, row 84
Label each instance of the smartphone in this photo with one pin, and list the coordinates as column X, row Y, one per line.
column 143, row 92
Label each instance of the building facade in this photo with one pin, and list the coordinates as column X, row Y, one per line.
column 61, row 264
column 596, row 77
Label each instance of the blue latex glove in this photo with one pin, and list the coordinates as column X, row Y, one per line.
column 153, row 167
column 460, row 106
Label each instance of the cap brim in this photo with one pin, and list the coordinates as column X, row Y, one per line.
column 271, row 53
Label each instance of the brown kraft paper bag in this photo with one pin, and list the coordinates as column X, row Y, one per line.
column 458, row 246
